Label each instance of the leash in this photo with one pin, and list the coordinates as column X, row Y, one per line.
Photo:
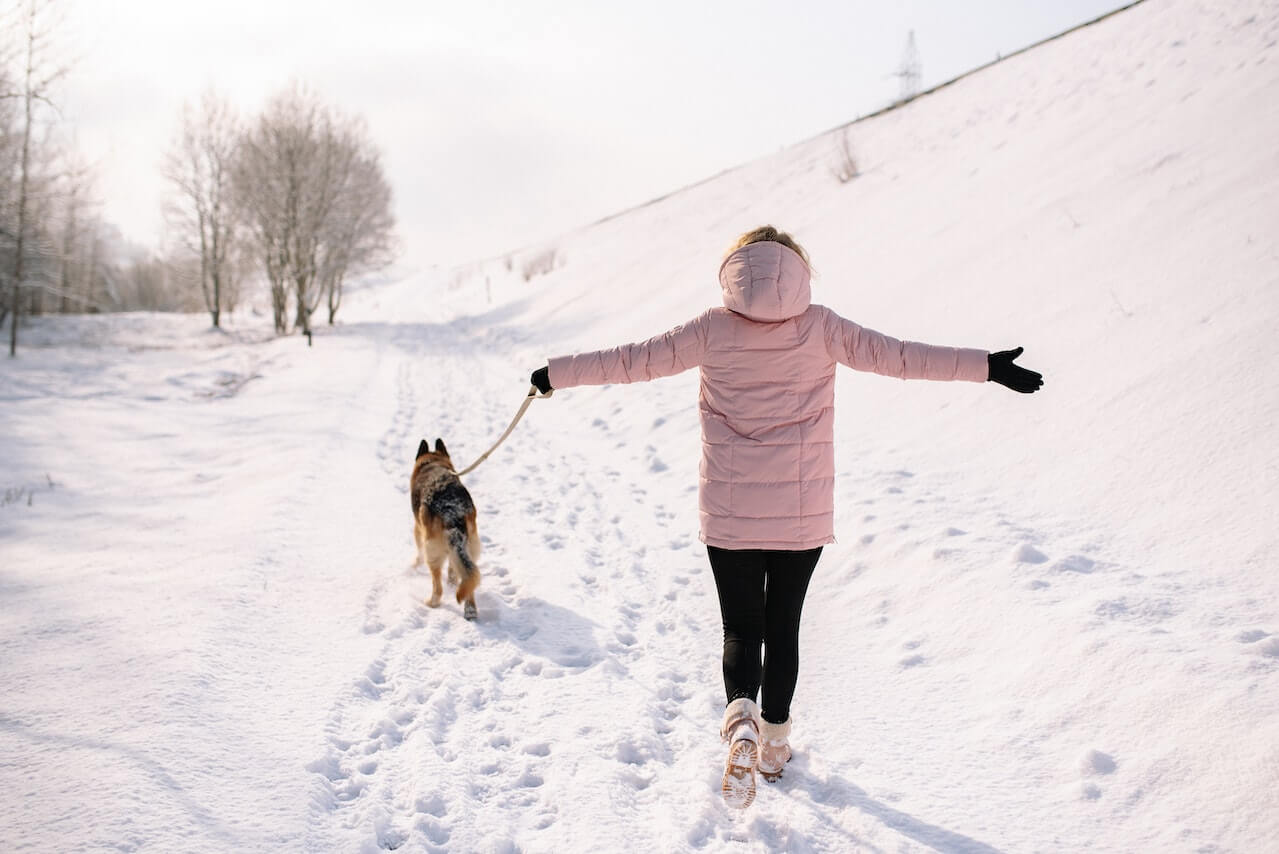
column 529, row 398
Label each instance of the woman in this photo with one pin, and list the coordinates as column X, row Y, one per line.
column 766, row 496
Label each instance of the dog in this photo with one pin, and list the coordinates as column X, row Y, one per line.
column 444, row 525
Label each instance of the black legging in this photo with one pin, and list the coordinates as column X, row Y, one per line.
column 761, row 595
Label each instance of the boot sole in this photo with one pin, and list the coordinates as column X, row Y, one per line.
column 738, row 785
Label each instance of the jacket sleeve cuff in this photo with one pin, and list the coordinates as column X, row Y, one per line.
column 973, row 365
column 560, row 373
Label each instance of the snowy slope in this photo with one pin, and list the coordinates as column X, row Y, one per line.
column 1049, row 624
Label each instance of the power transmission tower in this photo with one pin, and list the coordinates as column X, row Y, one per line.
column 909, row 71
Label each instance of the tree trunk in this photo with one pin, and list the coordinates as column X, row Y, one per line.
column 304, row 313
column 278, row 306
column 91, row 274
column 22, row 202
column 335, row 291
column 64, row 305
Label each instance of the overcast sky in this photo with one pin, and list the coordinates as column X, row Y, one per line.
column 503, row 124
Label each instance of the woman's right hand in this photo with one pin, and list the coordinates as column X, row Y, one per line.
column 541, row 379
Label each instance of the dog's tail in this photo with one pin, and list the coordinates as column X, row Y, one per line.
column 460, row 541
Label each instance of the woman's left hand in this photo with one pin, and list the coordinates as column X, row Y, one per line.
column 1015, row 377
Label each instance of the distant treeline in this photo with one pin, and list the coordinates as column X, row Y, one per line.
column 293, row 201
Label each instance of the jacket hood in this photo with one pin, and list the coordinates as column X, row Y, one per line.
column 765, row 281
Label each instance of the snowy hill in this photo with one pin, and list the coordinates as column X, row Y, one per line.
column 1049, row 624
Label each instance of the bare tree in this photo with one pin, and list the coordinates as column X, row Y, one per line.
column 78, row 201
column 70, row 231
column 93, row 266
column 34, row 82
column 200, row 165
column 272, row 184
column 359, row 236
column 324, row 185
column 310, row 185
column 845, row 168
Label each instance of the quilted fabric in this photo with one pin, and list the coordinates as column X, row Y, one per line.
column 766, row 401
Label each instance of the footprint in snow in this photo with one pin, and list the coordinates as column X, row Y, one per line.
column 1075, row 563
column 1269, row 648
column 431, row 805
column 437, row 833
column 390, row 837
column 529, row 780
column 1094, row 763
column 1026, row 553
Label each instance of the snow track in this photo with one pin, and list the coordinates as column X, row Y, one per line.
column 447, row 739
column 588, row 693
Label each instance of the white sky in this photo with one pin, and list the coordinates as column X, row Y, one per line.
column 502, row 124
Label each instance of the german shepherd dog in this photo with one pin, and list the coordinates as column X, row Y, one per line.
column 444, row 525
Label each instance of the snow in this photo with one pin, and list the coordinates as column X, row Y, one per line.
column 1051, row 623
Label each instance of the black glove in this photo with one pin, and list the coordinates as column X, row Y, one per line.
column 1015, row 377
column 542, row 379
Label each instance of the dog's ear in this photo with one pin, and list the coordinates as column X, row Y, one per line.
column 422, row 450
column 439, row 447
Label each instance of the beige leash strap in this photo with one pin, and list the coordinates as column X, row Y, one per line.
column 532, row 395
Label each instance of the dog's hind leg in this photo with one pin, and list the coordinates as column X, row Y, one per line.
column 466, row 551
column 466, row 595
column 419, row 546
column 436, row 553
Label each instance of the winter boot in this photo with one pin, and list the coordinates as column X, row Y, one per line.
column 774, row 749
column 741, row 731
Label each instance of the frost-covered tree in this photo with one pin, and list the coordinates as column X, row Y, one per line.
column 359, row 234
column 311, row 190
column 199, row 167
column 28, row 81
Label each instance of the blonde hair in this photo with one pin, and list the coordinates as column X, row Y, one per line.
column 769, row 233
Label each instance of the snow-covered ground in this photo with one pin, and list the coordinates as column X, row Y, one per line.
column 1051, row 623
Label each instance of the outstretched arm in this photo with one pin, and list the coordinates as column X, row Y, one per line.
column 867, row 350
column 661, row 356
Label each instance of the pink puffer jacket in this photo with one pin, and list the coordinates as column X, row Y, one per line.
column 767, row 362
